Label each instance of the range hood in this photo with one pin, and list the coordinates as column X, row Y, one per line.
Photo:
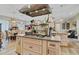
column 36, row 10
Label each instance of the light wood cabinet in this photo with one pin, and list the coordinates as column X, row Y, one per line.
column 28, row 52
column 29, row 46
column 19, row 45
column 30, row 40
column 32, row 47
column 51, row 51
column 64, row 40
column 54, row 48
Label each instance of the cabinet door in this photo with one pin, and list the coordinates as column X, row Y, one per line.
column 19, row 45
column 51, row 51
column 34, row 41
column 28, row 52
column 64, row 40
column 54, row 48
column 33, row 47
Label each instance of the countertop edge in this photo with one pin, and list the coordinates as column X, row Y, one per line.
column 33, row 37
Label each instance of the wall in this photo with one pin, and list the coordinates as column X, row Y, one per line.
column 21, row 25
column 58, row 27
column 5, row 24
column 76, row 18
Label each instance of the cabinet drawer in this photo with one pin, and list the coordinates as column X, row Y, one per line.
column 18, row 45
column 28, row 52
column 54, row 48
column 17, row 37
column 33, row 47
column 53, row 44
column 51, row 51
column 35, row 41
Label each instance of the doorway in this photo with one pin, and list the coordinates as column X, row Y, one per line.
column 0, row 36
column 0, row 27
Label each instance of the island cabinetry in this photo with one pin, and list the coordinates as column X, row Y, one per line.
column 19, row 45
column 32, row 46
column 37, row 46
column 64, row 40
column 32, row 40
column 54, row 48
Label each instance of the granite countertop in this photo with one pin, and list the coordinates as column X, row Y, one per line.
column 39, row 38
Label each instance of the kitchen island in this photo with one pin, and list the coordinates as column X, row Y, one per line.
column 33, row 45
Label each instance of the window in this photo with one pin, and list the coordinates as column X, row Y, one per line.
column 63, row 26
column 67, row 25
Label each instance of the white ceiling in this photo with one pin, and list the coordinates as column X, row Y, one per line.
column 11, row 10
column 58, row 11
column 64, row 11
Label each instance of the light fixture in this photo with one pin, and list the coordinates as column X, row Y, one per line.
column 30, row 12
column 36, row 11
column 61, row 5
column 61, row 20
column 13, row 21
column 43, row 9
column 29, row 6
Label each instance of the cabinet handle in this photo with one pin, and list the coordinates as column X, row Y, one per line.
column 30, row 54
column 52, row 45
column 48, row 51
column 30, row 47
column 19, row 43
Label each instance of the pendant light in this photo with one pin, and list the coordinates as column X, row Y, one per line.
column 29, row 6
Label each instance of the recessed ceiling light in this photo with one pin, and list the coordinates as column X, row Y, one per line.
column 28, row 6
column 43, row 9
column 36, row 11
column 13, row 21
column 71, row 13
column 30, row 12
column 61, row 5
column 61, row 20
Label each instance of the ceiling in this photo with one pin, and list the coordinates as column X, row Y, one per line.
column 65, row 11
column 58, row 11
column 11, row 10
